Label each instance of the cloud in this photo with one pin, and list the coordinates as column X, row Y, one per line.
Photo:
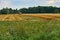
column 26, row 3
column 57, row 0
column 52, row 1
column 5, row 3
column 13, row 3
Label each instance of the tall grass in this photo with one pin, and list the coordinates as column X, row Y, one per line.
column 30, row 30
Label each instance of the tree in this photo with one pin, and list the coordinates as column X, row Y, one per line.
column 56, row 11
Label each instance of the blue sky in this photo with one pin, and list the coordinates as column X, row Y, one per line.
column 28, row 3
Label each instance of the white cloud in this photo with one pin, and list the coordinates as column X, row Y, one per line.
column 5, row 3
column 8, row 3
column 57, row 0
column 52, row 1
column 25, row 3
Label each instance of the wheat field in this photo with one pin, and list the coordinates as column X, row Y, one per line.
column 45, row 16
column 18, row 17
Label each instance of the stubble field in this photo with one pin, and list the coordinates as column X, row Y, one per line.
column 18, row 17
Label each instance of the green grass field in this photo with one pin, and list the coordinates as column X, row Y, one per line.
column 34, row 29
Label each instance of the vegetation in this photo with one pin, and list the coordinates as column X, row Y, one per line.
column 14, row 26
column 41, row 9
column 38, row 9
column 30, row 30
column 24, row 17
column 8, row 11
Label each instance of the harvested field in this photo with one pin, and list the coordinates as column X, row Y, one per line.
column 17, row 17
column 10, row 17
column 45, row 16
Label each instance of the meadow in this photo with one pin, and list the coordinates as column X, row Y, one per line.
column 30, row 27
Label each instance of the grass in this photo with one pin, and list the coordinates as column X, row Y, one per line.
column 30, row 30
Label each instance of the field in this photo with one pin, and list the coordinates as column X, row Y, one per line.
column 18, row 17
column 30, row 27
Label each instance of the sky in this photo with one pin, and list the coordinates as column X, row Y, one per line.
column 27, row 3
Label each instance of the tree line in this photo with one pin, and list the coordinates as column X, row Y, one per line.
column 41, row 9
column 38, row 9
column 8, row 11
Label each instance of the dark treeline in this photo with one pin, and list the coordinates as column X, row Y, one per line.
column 38, row 9
column 8, row 11
column 41, row 9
